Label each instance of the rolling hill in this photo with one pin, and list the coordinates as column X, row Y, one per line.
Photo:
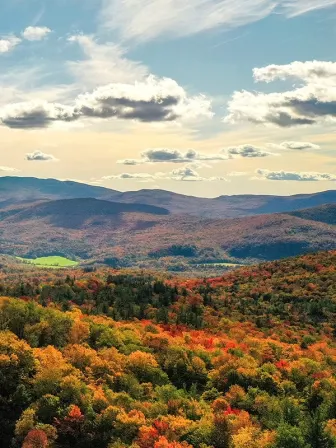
column 324, row 213
column 18, row 190
column 150, row 236
column 73, row 213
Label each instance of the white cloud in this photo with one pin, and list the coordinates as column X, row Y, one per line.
column 153, row 100
column 36, row 33
column 8, row 169
column 294, row 176
column 312, row 103
column 296, row 146
column 143, row 177
column 141, row 20
column 104, row 63
column 297, row 7
column 184, row 174
column 247, row 151
column 8, row 43
column 190, row 175
column 310, row 71
column 162, row 155
column 146, row 19
column 39, row 156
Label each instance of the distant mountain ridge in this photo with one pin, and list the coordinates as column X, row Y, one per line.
column 72, row 213
column 16, row 190
column 324, row 213
column 149, row 236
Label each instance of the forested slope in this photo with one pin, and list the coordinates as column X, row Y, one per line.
column 124, row 359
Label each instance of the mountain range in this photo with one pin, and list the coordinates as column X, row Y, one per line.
column 159, row 229
column 18, row 190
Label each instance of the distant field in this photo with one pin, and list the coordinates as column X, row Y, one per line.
column 228, row 265
column 50, row 262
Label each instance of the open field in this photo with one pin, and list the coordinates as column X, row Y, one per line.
column 50, row 262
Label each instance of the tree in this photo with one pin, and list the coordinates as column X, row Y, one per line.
column 289, row 437
column 221, row 435
column 35, row 439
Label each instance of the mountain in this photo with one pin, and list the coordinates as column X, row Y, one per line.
column 226, row 206
column 324, row 213
column 14, row 190
column 261, row 204
column 150, row 236
column 17, row 190
column 73, row 213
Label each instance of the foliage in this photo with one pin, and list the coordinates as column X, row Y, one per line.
column 122, row 359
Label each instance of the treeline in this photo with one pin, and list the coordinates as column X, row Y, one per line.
column 298, row 291
column 119, row 296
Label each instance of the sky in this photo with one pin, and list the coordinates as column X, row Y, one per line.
column 200, row 97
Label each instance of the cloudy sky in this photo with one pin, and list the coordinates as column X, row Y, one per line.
column 202, row 97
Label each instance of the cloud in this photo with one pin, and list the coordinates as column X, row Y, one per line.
column 35, row 115
column 8, row 169
column 296, row 146
column 40, row 156
column 312, row 103
column 190, row 175
column 247, row 151
column 310, row 71
column 131, row 162
column 35, row 33
column 104, row 63
column 161, row 155
column 153, row 100
column 144, row 177
column 294, row 8
column 184, row 174
column 295, row 176
column 7, row 44
column 143, row 20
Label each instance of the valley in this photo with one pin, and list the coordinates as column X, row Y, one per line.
column 126, row 234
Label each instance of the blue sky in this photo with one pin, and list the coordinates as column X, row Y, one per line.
column 201, row 97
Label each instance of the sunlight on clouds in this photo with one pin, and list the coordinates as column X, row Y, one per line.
column 7, row 44
column 35, row 33
column 294, row 176
column 147, row 19
column 142, row 20
column 311, row 104
column 103, row 63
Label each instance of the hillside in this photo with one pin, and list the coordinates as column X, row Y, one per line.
column 74, row 213
column 325, row 213
column 15, row 190
column 254, row 204
column 114, row 359
column 149, row 237
column 227, row 206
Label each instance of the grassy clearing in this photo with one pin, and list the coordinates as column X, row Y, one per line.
column 50, row 262
column 228, row 265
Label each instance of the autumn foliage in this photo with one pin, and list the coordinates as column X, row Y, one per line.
column 113, row 359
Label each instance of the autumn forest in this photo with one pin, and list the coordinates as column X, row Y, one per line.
column 121, row 358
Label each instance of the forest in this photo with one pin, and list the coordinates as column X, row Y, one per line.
column 112, row 358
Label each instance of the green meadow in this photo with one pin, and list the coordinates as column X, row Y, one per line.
column 50, row 262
